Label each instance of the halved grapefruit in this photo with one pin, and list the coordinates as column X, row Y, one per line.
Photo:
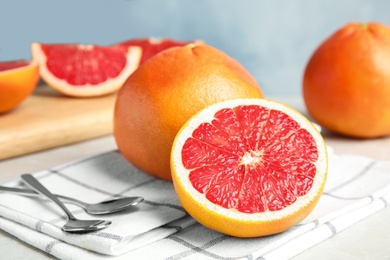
column 249, row 167
column 152, row 46
column 85, row 70
column 18, row 80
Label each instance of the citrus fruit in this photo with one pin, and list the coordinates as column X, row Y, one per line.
column 85, row 70
column 152, row 46
column 18, row 80
column 248, row 167
column 346, row 83
column 164, row 92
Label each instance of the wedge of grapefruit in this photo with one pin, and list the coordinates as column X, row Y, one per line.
column 85, row 70
column 152, row 46
column 249, row 167
column 18, row 80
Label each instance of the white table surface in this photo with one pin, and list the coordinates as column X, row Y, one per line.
column 368, row 239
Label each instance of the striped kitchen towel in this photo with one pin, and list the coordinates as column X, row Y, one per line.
column 159, row 228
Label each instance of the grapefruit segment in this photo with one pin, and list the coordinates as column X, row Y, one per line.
column 152, row 46
column 18, row 80
column 9, row 65
column 249, row 167
column 85, row 70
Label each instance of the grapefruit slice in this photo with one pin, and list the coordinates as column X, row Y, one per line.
column 249, row 167
column 18, row 80
column 152, row 46
column 85, row 70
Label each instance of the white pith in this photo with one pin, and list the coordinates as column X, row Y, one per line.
column 252, row 158
column 133, row 57
column 207, row 115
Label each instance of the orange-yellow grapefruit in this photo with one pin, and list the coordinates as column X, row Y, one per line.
column 346, row 83
column 85, row 70
column 249, row 167
column 164, row 92
column 18, row 80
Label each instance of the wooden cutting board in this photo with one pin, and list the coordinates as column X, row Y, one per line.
column 48, row 119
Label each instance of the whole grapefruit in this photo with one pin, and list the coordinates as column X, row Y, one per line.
column 164, row 92
column 346, row 84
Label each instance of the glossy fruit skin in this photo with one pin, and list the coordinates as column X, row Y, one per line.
column 17, row 84
column 346, row 84
column 164, row 92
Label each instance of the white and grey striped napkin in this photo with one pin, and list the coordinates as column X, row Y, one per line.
column 159, row 228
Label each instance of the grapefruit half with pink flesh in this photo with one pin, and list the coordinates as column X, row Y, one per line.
column 85, row 70
column 249, row 167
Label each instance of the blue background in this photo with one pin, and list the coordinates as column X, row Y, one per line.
column 272, row 39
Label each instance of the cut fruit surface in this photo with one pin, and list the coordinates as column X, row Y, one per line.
column 18, row 80
column 85, row 70
column 249, row 167
column 152, row 46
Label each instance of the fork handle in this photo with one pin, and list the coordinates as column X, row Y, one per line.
column 37, row 186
